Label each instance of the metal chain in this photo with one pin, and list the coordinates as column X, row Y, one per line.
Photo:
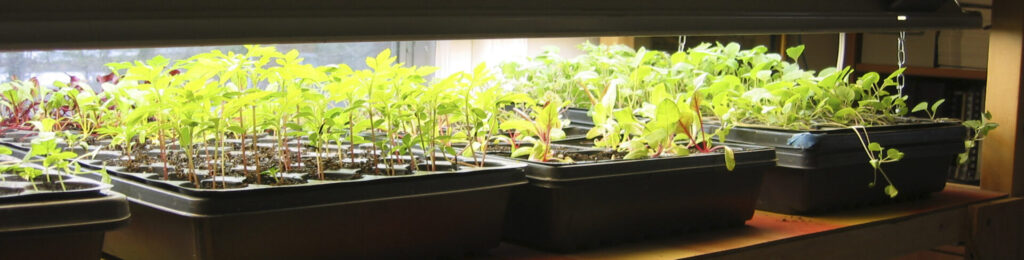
column 682, row 42
column 901, row 60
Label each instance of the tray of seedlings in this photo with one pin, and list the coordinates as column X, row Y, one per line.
column 842, row 142
column 221, row 148
column 631, row 179
column 44, row 203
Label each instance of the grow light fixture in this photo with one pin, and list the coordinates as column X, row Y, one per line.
column 42, row 24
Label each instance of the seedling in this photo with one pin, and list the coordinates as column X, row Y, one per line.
column 541, row 126
column 877, row 156
column 675, row 120
column 930, row 110
column 18, row 101
column 45, row 145
column 979, row 130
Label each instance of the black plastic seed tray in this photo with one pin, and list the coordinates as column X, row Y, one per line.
column 423, row 215
column 49, row 186
column 48, row 222
column 573, row 206
column 579, row 116
column 826, row 170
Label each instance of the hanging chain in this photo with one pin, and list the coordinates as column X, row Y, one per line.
column 682, row 42
column 901, row 60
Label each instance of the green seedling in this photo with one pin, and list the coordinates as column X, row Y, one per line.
column 878, row 156
column 540, row 126
column 979, row 130
column 930, row 110
column 675, row 120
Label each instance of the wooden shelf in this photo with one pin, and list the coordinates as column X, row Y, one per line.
column 926, row 72
column 869, row 233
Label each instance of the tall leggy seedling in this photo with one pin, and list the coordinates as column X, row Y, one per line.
column 374, row 81
column 482, row 106
column 344, row 88
column 136, row 98
column 432, row 118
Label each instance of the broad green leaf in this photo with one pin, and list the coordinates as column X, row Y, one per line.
column 732, row 49
column 449, row 150
column 845, row 114
column 293, row 126
column 764, row 75
column 557, row 134
column 659, row 93
column 795, row 52
column 667, row 112
column 893, row 154
column 537, row 153
column 594, row 132
column 656, row 137
column 973, row 124
column 236, row 129
column 636, row 154
column 678, row 57
column 757, row 95
column 868, row 80
column 895, row 73
column 935, row 106
column 875, row 147
column 518, row 125
column 680, row 150
column 730, row 158
column 891, row 191
column 919, row 107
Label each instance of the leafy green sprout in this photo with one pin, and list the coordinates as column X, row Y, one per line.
column 271, row 172
column 540, row 127
column 979, row 130
column 877, row 156
column 675, row 120
column 44, row 150
column 930, row 110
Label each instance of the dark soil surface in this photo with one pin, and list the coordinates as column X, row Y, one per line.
column 226, row 158
column 7, row 191
column 274, row 181
column 172, row 177
column 216, row 185
column 576, row 154
column 56, row 186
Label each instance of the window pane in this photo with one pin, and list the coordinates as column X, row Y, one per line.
column 50, row 66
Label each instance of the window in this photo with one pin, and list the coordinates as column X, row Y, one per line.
column 57, row 65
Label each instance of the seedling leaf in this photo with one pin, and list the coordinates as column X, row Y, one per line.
column 935, row 106
column 730, row 158
column 875, row 147
column 891, row 191
column 919, row 107
column 521, row 151
column 795, row 52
